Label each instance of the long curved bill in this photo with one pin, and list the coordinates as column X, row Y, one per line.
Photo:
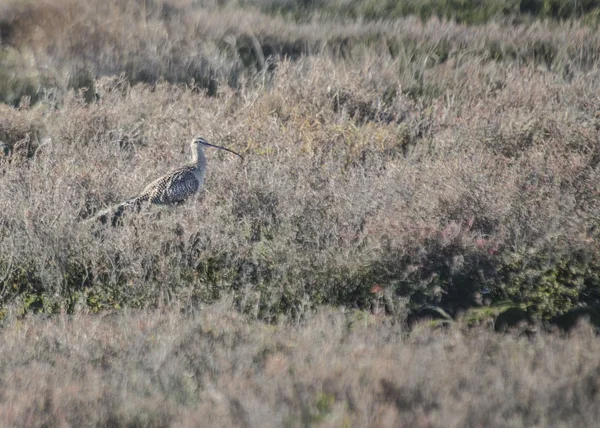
column 223, row 148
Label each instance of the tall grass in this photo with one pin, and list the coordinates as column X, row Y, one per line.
column 55, row 45
column 166, row 368
column 442, row 201
column 449, row 165
column 395, row 170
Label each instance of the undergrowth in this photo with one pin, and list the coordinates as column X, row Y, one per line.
column 174, row 367
column 422, row 162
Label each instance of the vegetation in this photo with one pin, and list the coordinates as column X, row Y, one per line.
column 213, row 367
column 421, row 160
column 399, row 169
column 464, row 11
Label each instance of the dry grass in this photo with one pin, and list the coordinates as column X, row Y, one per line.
column 213, row 367
column 440, row 199
column 405, row 168
column 53, row 45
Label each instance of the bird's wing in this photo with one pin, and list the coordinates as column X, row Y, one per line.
column 172, row 188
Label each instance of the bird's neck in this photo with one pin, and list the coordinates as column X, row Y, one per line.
column 198, row 157
column 199, row 161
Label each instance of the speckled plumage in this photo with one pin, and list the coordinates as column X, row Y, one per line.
column 172, row 188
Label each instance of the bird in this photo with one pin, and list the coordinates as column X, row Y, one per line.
column 172, row 188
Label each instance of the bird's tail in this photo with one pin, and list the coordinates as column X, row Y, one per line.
column 113, row 214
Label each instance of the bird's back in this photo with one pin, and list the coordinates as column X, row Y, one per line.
column 173, row 187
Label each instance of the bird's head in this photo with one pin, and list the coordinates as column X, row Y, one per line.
column 199, row 143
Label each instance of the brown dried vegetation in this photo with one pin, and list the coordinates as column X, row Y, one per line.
column 213, row 367
column 409, row 169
